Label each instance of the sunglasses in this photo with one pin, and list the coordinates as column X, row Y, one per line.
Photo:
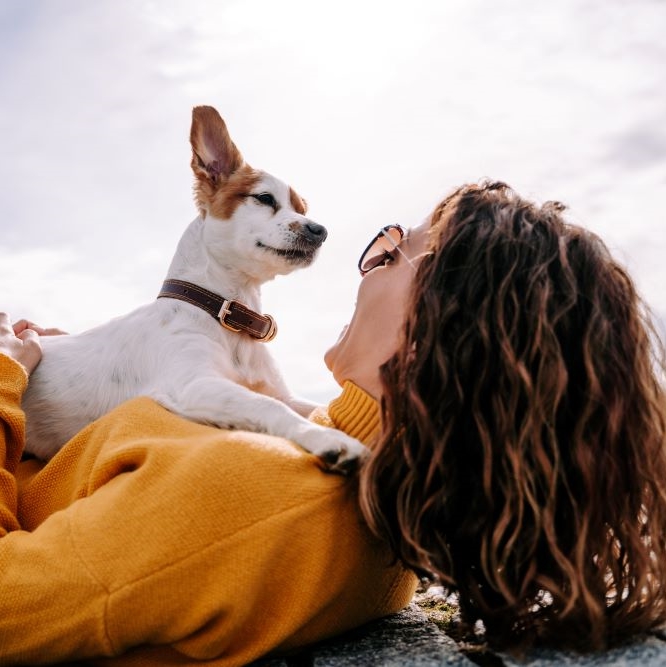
column 383, row 249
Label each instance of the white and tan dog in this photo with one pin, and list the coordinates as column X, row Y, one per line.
column 199, row 350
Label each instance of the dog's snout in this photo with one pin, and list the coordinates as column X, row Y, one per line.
column 315, row 232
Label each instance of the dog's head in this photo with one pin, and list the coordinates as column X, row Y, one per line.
column 253, row 222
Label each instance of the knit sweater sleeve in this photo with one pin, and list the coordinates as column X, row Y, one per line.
column 102, row 555
column 13, row 381
column 168, row 542
column 46, row 556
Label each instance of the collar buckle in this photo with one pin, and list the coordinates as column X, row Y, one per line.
column 225, row 311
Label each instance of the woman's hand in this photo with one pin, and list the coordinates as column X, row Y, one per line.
column 23, row 325
column 20, row 342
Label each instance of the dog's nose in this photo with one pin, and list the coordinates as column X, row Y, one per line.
column 315, row 232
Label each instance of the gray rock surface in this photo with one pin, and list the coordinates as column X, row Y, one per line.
column 416, row 637
column 647, row 652
column 407, row 638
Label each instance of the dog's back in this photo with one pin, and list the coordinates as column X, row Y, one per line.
column 81, row 377
column 153, row 351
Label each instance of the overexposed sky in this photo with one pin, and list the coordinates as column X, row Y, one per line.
column 372, row 110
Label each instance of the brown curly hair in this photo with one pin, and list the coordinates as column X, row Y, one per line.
column 522, row 459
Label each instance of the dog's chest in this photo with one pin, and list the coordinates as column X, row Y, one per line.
column 249, row 363
column 197, row 345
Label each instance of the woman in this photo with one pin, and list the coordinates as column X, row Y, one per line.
column 514, row 462
column 522, row 456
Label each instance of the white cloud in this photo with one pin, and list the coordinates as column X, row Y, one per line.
column 57, row 288
column 372, row 110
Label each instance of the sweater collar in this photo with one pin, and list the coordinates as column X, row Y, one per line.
column 356, row 413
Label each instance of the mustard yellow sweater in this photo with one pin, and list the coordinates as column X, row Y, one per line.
column 157, row 541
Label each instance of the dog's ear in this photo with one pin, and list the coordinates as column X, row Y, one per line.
column 214, row 156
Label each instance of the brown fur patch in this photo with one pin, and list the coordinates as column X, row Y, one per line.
column 222, row 198
column 297, row 202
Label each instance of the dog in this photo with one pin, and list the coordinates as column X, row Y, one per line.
column 199, row 349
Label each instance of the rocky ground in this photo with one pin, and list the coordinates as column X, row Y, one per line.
column 426, row 635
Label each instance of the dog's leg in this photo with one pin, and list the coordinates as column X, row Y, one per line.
column 276, row 387
column 301, row 406
column 223, row 403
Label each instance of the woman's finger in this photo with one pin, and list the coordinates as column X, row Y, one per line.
column 23, row 325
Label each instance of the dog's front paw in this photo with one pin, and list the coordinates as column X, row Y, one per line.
column 338, row 451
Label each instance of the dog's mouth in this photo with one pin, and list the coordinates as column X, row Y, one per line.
column 293, row 255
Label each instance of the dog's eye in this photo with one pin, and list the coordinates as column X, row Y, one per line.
column 267, row 199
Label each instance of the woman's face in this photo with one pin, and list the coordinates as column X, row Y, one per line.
column 382, row 304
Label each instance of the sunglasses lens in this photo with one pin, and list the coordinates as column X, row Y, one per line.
column 376, row 253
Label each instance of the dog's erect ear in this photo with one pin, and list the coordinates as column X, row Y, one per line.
column 214, row 155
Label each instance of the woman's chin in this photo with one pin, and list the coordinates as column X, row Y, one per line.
column 331, row 354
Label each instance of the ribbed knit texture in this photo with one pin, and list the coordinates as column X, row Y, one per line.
column 164, row 542
column 355, row 412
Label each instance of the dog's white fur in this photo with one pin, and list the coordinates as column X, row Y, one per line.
column 177, row 353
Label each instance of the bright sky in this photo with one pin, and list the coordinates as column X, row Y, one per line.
column 372, row 110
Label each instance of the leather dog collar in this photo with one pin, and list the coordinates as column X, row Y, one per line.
column 231, row 314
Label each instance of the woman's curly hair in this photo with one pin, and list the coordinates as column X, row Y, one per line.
column 522, row 460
